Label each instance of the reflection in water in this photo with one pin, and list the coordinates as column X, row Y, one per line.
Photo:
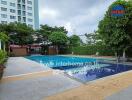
column 98, row 72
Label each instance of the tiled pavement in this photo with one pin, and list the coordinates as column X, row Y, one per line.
column 18, row 84
column 125, row 94
column 27, row 80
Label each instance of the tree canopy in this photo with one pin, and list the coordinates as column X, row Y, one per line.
column 19, row 33
column 3, row 37
column 45, row 31
column 58, row 38
column 74, row 40
column 116, row 31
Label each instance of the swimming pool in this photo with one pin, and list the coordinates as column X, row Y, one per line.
column 58, row 61
column 83, row 69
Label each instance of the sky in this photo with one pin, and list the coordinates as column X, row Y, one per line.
column 77, row 16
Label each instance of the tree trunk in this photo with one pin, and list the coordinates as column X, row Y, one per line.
column 117, row 58
column 4, row 46
column 0, row 44
column 57, row 49
column 124, row 55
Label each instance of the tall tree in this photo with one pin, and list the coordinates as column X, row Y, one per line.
column 58, row 39
column 92, row 38
column 116, row 31
column 3, row 39
column 20, row 33
column 45, row 31
column 74, row 40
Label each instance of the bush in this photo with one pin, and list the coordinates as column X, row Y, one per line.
column 92, row 50
column 3, row 56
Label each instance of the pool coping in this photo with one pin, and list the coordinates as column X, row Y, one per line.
column 97, row 83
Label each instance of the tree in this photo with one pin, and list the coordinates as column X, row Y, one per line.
column 58, row 39
column 92, row 38
column 116, row 31
column 74, row 40
column 20, row 34
column 45, row 31
column 3, row 39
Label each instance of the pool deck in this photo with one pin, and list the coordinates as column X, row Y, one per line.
column 27, row 80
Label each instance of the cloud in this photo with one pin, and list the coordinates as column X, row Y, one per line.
column 49, row 12
column 78, row 16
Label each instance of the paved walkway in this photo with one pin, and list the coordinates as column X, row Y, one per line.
column 125, row 94
column 27, row 80
column 98, row 89
column 20, row 65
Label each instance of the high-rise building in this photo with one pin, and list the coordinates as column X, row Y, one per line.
column 24, row 11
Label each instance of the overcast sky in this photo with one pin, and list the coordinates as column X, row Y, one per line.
column 77, row 16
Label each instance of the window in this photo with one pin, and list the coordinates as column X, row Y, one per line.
column 12, row 4
column 12, row 17
column 29, row 8
column 4, row 22
column 19, row 1
column 19, row 6
column 23, row 1
column 30, row 25
column 29, row 2
column 19, row 12
column 12, row 11
column 19, row 18
column 23, row 7
column 24, row 13
column 3, row 15
column 24, row 19
column 30, row 20
column 3, row 9
column 3, row 2
column 30, row 14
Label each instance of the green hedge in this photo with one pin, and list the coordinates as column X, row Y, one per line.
column 91, row 50
column 3, row 56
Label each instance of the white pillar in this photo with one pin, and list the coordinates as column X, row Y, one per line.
column 0, row 44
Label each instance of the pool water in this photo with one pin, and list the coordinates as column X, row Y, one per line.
column 83, row 69
column 86, row 74
column 57, row 61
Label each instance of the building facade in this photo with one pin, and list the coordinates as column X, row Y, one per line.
column 24, row 11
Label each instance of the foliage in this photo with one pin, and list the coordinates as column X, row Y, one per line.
column 3, row 56
column 58, row 38
column 116, row 32
column 92, row 50
column 74, row 40
column 3, row 37
column 45, row 31
column 92, row 38
column 20, row 34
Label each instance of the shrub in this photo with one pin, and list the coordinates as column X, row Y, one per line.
column 3, row 56
column 91, row 50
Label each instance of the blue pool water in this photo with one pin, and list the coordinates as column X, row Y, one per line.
column 84, row 69
column 58, row 61
column 86, row 74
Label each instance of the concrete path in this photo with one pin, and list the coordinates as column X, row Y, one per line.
column 27, row 80
column 125, row 94
column 36, row 88
column 21, row 65
column 98, row 89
